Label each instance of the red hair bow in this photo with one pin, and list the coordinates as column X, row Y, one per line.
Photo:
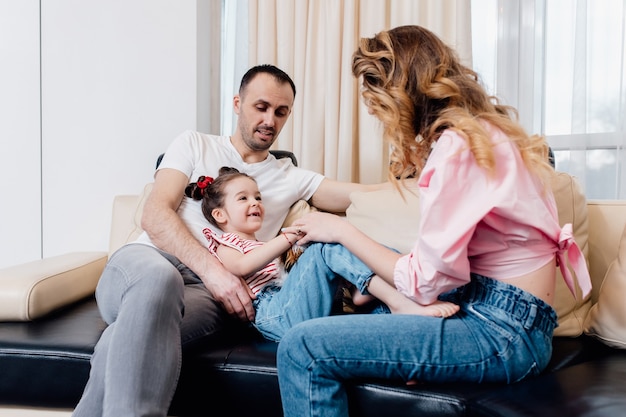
column 203, row 182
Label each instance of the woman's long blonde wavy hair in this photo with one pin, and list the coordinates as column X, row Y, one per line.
column 417, row 87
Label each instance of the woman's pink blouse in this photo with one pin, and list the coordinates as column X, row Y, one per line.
column 501, row 226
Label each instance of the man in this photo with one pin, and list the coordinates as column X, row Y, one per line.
column 164, row 292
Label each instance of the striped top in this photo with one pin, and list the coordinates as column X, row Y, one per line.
column 270, row 273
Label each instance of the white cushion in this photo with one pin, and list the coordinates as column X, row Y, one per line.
column 387, row 217
column 572, row 207
column 126, row 221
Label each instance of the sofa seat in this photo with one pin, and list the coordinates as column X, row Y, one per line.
column 45, row 363
column 591, row 389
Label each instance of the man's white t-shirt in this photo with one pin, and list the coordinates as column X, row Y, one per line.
column 280, row 182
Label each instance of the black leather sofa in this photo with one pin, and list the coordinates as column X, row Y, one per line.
column 45, row 363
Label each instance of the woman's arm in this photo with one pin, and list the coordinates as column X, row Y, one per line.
column 329, row 228
column 244, row 264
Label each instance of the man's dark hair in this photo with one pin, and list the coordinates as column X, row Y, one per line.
column 278, row 74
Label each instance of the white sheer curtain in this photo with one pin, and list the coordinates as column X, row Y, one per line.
column 313, row 40
column 562, row 64
column 586, row 93
column 233, row 61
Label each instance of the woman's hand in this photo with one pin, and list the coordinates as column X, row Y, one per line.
column 320, row 227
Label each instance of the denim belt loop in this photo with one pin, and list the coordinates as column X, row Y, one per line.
column 531, row 316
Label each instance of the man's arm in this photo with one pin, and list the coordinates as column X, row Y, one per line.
column 169, row 233
column 334, row 196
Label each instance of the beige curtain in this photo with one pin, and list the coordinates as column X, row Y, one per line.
column 330, row 130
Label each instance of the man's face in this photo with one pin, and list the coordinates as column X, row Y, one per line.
column 263, row 109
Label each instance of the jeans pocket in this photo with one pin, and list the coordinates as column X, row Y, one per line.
column 532, row 370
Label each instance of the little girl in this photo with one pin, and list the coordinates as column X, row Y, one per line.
column 232, row 202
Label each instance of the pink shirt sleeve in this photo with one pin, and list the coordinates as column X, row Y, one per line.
column 454, row 196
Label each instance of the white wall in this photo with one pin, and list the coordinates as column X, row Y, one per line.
column 119, row 81
column 20, row 191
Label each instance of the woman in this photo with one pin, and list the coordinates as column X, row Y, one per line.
column 489, row 239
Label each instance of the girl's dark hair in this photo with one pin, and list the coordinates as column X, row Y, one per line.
column 211, row 191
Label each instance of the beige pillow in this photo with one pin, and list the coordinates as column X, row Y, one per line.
column 126, row 220
column 607, row 318
column 297, row 210
column 572, row 207
column 387, row 217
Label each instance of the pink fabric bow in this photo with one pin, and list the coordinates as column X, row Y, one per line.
column 576, row 259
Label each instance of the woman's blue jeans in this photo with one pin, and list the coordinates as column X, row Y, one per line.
column 309, row 289
column 500, row 334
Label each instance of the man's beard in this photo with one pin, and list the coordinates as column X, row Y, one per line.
column 259, row 145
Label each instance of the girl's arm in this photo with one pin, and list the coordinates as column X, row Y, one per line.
column 244, row 264
column 329, row 228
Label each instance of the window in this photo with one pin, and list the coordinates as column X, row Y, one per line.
column 561, row 63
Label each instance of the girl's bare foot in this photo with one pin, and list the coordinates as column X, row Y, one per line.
column 359, row 299
column 437, row 309
column 398, row 303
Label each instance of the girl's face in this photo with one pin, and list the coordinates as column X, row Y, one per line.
column 243, row 209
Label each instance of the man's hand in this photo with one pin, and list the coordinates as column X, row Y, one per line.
column 231, row 292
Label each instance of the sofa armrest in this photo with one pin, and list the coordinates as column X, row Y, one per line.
column 34, row 289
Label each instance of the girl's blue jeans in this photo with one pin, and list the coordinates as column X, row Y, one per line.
column 309, row 289
column 500, row 334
